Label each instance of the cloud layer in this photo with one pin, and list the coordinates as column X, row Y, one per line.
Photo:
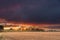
column 37, row 11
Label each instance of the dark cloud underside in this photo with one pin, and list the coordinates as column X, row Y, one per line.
column 37, row 11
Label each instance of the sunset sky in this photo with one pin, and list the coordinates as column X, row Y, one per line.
column 36, row 11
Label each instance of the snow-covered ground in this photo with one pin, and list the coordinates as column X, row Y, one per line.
column 31, row 35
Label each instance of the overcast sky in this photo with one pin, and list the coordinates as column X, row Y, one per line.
column 37, row 11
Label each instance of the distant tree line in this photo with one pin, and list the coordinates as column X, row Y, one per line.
column 1, row 28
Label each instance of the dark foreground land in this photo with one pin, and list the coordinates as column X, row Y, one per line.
column 30, row 36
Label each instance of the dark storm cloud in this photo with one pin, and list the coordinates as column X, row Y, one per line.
column 38, row 11
column 8, row 8
column 54, row 10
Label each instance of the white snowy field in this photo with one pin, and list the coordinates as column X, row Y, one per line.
column 31, row 35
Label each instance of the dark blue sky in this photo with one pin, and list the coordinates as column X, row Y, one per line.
column 37, row 11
